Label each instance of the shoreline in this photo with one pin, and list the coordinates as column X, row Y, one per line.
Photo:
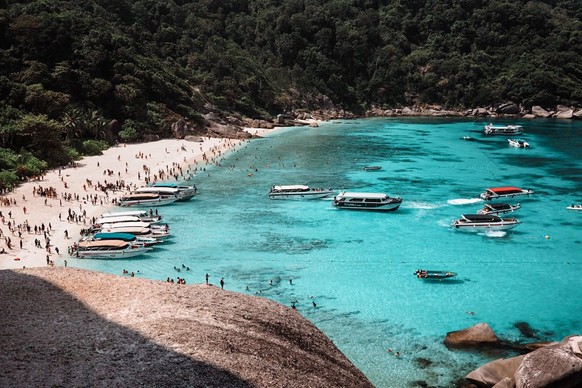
column 41, row 218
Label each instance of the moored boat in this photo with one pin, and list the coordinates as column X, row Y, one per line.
column 372, row 168
column 504, row 192
column 108, row 249
column 146, row 199
column 183, row 193
column 509, row 130
column 431, row 274
column 143, row 215
column 498, row 208
column 484, row 222
column 574, row 207
column 297, row 192
column 366, row 201
column 518, row 143
column 137, row 231
column 145, row 241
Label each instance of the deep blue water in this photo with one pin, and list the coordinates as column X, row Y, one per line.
column 358, row 266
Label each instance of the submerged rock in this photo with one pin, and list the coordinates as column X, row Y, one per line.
column 480, row 334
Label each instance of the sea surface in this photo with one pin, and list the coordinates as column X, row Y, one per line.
column 351, row 272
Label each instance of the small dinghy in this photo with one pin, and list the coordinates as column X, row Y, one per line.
column 429, row 274
column 372, row 168
column 574, row 207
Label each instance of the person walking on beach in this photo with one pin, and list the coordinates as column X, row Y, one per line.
column 222, row 283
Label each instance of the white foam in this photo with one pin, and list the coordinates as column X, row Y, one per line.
column 495, row 233
column 422, row 205
column 463, row 201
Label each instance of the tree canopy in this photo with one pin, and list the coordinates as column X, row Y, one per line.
column 70, row 68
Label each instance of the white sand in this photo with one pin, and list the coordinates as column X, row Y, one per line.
column 123, row 160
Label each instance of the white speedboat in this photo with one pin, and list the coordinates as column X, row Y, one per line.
column 108, row 249
column 158, row 234
column 183, row 193
column 474, row 222
column 507, row 130
column 498, row 208
column 518, row 143
column 146, row 199
column 504, row 192
column 574, row 207
column 297, row 192
column 140, row 240
column 143, row 215
column 366, row 201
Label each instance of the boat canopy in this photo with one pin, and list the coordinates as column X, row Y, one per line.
column 291, row 188
column 135, row 213
column 158, row 190
column 498, row 206
column 481, row 217
column 120, row 244
column 362, row 195
column 505, row 190
column 130, row 229
column 113, row 220
column 140, row 196
column 115, row 236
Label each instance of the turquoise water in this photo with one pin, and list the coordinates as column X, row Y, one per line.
column 358, row 266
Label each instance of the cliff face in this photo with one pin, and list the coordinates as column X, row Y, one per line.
column 71, row 327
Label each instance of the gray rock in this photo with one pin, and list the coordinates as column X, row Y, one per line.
column 507, row 382
column 557, row 365
column 480, row 334
column 494, row 372
column 566, row 114
column 538, row 111
column 508, row 108
column 179, row 129
column 577, row 114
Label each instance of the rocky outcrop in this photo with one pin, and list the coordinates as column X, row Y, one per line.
column 70, row 327
column 538, row 111
column 480, row 334
column 494, row 372
column 557, row 365
column 508, row 108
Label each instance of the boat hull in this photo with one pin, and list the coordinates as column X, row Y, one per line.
column 485, row 226
column 113, row 254
column 146, row 202
column 388, row 207
column 301, row 196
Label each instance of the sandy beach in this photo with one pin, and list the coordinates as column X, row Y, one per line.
column 42, row 218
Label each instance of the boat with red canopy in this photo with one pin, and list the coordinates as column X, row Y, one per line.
column 504, row 192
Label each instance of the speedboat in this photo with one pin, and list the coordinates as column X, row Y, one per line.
column 366, row 201
column 498, row 208
column 158, row 234
column 140, row 240
column 485, row 222
column 146, row 199
column 143, row 215
column 183, row 192
column 297, row 192
column 430, row 274
column 518, row 143
column 491, row 129
column 504, row 192
column 468, row 138
column 372, row 168
column 574, row 207
column 108, row 249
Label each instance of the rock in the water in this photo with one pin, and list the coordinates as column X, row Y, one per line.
column 495, row 371
column 552, row 366
column 480, row 334
column 538, row 111
column 507, row 382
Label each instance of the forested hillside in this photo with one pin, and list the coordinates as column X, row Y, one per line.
column 68, row 69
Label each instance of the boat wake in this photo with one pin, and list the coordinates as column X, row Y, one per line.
column 464, row 201
column 423, row 205
column 495, row 233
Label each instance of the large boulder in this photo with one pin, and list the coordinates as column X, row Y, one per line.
column 508, row 108
column 566, row 114
column 494, row 372
column 480, row 334
column 557, row 365
column 538, row 111
column 180, row 129
column 577, row 114
column 507, row 382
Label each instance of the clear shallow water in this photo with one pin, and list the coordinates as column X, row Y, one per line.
column 358, row 266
